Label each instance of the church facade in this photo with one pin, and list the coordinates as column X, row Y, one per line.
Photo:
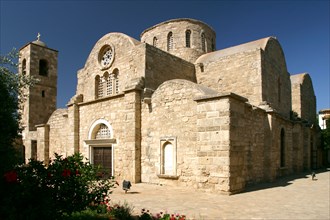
column 171, row 109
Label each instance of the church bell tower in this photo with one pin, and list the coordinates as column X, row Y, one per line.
column 40, row 62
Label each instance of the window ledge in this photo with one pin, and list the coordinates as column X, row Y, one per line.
column 163, row 176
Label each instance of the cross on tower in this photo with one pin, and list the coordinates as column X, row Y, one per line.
column 38, row 37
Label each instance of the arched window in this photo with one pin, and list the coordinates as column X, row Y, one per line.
column 154, row 42
column 43, row 67
column 168, row 159
column 203, row 42
column 98, row 87
column 24, row 67
column 188, row 40
column 108, row 82
column 170, row 41
column 115, row 74
column 103, row 132
column 282, row 150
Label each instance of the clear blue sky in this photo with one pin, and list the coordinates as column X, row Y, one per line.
column 73, row 27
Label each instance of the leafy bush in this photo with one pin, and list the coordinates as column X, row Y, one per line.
column 68, row 185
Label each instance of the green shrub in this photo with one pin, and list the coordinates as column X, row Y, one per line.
column 68, row 185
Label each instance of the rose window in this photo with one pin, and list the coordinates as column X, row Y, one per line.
column 106, row 57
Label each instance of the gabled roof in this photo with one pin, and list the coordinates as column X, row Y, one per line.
column 213, row 56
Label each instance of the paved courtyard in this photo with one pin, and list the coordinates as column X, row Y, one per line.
column 295, row 197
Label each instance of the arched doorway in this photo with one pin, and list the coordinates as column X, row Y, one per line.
column 101, row 146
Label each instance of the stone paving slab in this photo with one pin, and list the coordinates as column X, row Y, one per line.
column 295, row 197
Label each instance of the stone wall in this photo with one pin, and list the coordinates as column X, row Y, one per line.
column 276, row 85
column 58, row 133
column 171, row 115
column 122, row 113
column 239, row 73
column 129, row 59
column 213, row 143
column 162, row 66
column 178, row 27
column 43, row 94
column 303, row 97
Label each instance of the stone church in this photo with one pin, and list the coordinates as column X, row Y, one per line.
column 171, row 109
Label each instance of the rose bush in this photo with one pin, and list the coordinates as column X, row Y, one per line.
column 66, row 185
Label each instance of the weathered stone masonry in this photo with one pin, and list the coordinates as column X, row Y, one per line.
column 171, row 109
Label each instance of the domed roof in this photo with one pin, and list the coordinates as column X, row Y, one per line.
column 39, row 42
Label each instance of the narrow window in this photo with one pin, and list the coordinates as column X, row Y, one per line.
column 168, row 159
column 202, row 67
column 109, row 85
column 24, row 67
column 169, row 41
column 117, row 84
column 43, row 68
column 108, row 81
column 98, row 87
column 188, row 34
column 282, row 151
column 154, row 43
column 116, row 80
column 203, row 42
column 34, row 150
column 43, row 93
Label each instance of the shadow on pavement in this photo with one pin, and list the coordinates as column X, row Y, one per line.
column 283, row 181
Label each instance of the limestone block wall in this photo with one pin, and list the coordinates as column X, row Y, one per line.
column 128, row 58
column 255, row 145
column 178, row 27
column 276, row 85
column 297, row 140
column 278, row 124
column 162, row 66
column 303, row 97
column 122, row 113
column 43, row 143
column 43, row 94
column 58, row 133
column 213, row 144
column 248, row 151
column 239, row 73
column 171, row 115
column 28, row 137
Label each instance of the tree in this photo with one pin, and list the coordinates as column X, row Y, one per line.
column 11, row 87
column 325, row 136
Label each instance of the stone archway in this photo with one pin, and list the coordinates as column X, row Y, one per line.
column 101, row 145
